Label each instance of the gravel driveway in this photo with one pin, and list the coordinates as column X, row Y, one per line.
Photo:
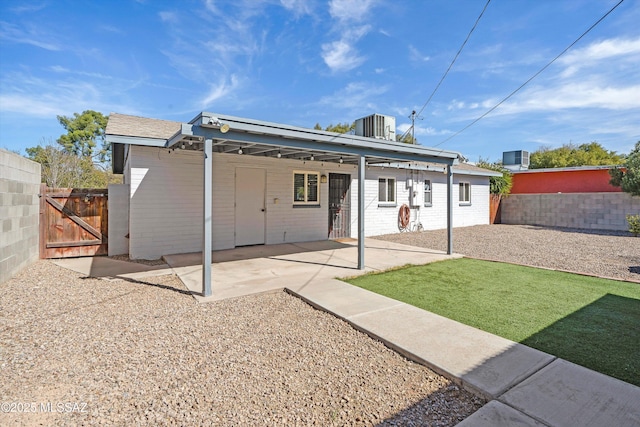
column 601, row 253
column 145, row 353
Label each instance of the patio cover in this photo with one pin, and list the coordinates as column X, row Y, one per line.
column 210, row 132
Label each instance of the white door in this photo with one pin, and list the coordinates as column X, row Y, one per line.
column 250, row 206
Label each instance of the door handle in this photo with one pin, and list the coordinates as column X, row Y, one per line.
column 262, row 210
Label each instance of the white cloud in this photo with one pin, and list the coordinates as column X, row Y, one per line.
column 211, row 6
column 603, row 76
column 28, row 8
column 596, row 53
column 416, row 56
column 358, row 98
column 111, row 29
column 422, row 130
column 171, row 17
column 350, row 10
column 575, row 95
column 35, row 97
column 59, row 69
column 298, row 7
column 341, row 54
column 219, row 90
column 229, row 37
column 28, row 35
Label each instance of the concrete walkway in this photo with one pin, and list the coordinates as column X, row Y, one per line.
column 525, row 387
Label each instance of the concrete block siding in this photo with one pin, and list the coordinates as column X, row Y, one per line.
column 165, row 212
column 19, row 213
column 118, row 219
column 380, row 219
column 596, row 211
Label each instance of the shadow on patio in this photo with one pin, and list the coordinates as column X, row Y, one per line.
column 256, row 269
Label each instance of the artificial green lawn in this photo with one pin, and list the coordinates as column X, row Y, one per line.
column 589, row 321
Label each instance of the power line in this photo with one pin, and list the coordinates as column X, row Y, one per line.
column 450, row 65
column 532, row 77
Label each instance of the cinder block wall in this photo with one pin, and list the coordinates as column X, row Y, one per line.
column 19, row 213
column 596, row 211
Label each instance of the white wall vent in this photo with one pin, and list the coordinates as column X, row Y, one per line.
column 515, row 160
column 377, row 126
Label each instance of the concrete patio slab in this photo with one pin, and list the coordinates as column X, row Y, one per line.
column 112, row 269
column 497, row 414
column 566, row 394
column 257, row 269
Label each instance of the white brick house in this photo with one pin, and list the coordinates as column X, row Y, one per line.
column 273, row 183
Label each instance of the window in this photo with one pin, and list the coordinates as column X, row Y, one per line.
column 427, row 192
column 387, row 190
column 305, row 188
column 465, row 193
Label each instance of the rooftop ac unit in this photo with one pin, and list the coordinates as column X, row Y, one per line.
column 515, row 160
column 377, row 126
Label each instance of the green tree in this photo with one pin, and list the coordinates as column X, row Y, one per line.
column 407, row 139
column 65, row 170
column 497, row 184
column 338, row 128
column 591, row 154
column 84, row 132
column 628, row 175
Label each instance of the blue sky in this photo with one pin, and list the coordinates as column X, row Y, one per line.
column 301, row 62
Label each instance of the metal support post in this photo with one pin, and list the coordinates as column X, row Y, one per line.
column 206, row 227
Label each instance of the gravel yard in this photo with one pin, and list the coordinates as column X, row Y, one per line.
column 146, row 353
column 601, row 253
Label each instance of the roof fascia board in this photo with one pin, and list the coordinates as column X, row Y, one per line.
column 267, row 128
column 476, row 173
column 568, row 169
column 135, row 140
column 427, row 168
column 185, row 130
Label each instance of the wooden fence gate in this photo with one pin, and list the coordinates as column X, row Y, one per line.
column 73, row 222
column 495, row 211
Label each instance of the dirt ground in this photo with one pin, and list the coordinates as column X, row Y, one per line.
column 601, row 253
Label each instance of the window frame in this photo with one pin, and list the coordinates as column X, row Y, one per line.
column 462, row 193
column 388, row 202
column 429, row 192
column 306, row 201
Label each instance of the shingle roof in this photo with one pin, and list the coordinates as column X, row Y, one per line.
column 470, row 167
column 122, row 124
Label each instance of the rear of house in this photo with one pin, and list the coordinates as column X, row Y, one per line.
column 280, row 198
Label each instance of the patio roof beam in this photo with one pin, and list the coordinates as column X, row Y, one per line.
column 396, row 154
column 261, row 128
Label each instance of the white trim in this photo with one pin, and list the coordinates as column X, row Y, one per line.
column 461, row 194
column 388, row 202
column 430, row 191
column 305, row 187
